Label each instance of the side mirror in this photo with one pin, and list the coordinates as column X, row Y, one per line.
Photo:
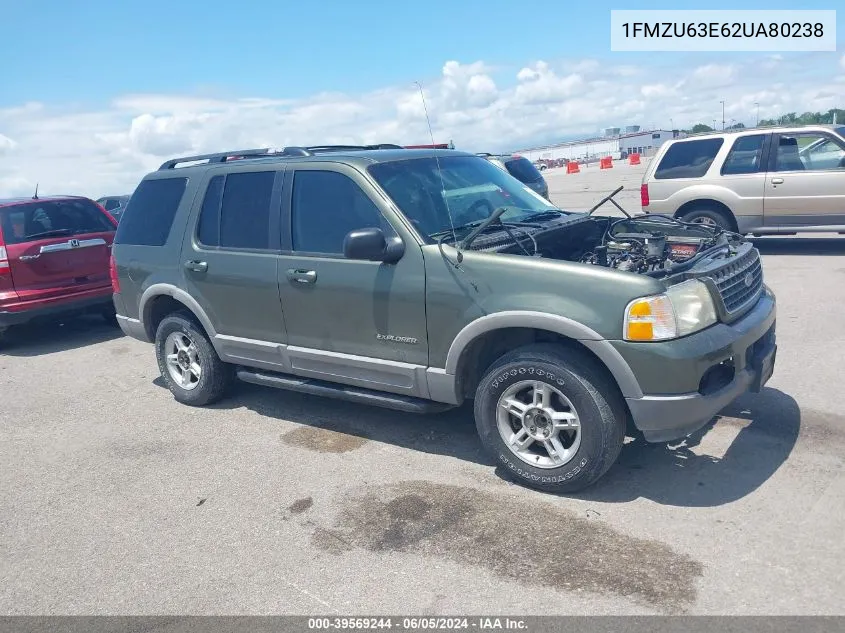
column 370, row 244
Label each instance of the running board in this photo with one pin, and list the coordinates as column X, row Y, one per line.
column 315, row 387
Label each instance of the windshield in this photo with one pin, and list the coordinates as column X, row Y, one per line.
column 472, row 187
column 523, row 169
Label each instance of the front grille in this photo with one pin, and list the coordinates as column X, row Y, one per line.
column 740, row 281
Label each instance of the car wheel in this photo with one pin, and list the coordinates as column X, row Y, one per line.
column 550, row 417
column 188, row 362
column 708, row 217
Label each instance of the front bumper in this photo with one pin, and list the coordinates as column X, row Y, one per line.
column 727, row 361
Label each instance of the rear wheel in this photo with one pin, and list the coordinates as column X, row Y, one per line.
column 708, row 217
column 188, row 362
column 550, row 417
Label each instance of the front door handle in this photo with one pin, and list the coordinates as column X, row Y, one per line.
column 196, row 266
column 777, row 181
column 302, row 276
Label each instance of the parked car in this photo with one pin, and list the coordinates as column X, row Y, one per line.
column 774, row 180
column 114, row 204
column 522, row 169
column 420, row 279
column 54, row 258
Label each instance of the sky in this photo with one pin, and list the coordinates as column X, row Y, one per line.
column 94, row 93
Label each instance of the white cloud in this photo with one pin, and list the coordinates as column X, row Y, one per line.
column 6, row 144
column 481, row 108
column 842, row 61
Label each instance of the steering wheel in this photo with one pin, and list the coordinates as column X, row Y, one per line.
column 474, row 212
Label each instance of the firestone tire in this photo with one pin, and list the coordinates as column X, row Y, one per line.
column 571, row 377
column 189, row 363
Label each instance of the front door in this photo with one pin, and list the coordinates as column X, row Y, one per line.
column 357, row 322
column 230, row 257
column 806, row 182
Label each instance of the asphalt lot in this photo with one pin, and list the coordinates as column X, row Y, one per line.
column 115, row 499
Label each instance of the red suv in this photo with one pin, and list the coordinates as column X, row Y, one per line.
column 54, row 258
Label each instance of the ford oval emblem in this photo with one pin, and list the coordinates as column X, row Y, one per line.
column 749, row 280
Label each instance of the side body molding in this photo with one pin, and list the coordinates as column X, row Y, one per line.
column 443, row 382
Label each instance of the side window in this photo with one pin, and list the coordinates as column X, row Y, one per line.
column 150, row 212
column 326, row 206
column 745, row 156
column 208, row 231
column 235, row 211
column 809, row 151
column 688, row 159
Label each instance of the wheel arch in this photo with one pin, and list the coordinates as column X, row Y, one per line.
column 708, row 203
column 159, row 300
column 484, row 340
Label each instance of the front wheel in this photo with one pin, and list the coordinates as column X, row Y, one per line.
column 550, row 418
column 189, row 363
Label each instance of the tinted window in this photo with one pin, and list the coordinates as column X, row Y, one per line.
column 208, row 231
column 745, row 156
column 522, row 169
column 688, row 159
column 326, row 206
column 245, row 212
column 32, row 221
column 148, row 216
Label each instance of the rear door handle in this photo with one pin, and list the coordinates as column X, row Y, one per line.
column 777, row 181
column 302, row 276
column 196, row 266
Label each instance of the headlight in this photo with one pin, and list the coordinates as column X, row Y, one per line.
column 683, row 309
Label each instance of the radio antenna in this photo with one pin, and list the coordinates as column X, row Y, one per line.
column 442, row 183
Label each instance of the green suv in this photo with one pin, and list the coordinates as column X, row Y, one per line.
column 420, row 279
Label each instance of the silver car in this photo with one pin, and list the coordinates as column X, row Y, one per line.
column 780, row 180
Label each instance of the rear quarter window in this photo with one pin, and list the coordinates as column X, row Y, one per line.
column 523, row 169
column 149, row 214
column 688, row 159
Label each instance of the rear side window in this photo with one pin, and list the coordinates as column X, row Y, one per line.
column 55, row 218
column 523, row 169
column 150, row 212
column 745, row 156
column 688, row 159
column 236, row 211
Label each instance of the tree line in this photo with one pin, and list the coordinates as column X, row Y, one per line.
column 791, row 118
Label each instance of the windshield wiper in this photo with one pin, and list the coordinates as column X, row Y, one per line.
column 543, row 215
column 53, row 233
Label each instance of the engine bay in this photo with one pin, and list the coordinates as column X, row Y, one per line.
column 647, row 244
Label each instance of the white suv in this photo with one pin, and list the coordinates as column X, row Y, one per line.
column 780, row 180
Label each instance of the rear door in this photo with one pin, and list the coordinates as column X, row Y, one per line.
column 57, row 247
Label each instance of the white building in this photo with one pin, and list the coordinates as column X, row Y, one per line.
column 612, row 144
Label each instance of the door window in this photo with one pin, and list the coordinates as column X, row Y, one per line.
column 326, row 206
column 745, row 156
column 807, row 151
column 236, row 211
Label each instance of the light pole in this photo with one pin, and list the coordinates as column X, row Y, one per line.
column 723, row 114
column 757, row 124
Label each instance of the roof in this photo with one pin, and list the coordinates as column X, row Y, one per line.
column 765, row 129
column 265, row 156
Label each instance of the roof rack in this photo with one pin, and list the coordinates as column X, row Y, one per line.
column 266, row 152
